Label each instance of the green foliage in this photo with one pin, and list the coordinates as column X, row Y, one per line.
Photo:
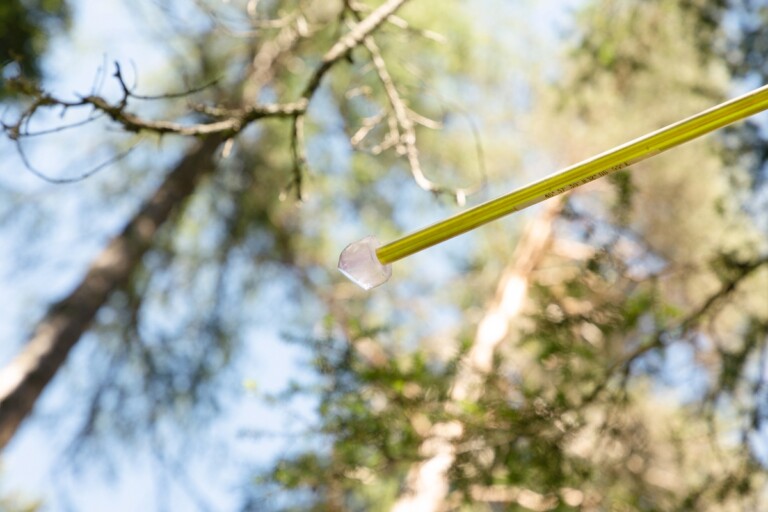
column 27, row 28
column 372, row 406
column 744, row 53
column 587, row 406
column 639, row 355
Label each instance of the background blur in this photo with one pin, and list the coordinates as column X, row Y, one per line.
column 603, row 351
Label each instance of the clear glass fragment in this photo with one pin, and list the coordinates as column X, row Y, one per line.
column 358, row 261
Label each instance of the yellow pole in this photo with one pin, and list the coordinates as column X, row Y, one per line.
column 579, row 174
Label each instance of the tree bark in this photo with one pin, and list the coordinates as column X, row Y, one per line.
column 426, row 485
column 23, row 380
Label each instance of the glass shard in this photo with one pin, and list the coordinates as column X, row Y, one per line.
column 358, row 261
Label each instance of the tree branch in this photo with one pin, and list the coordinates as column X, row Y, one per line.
column 337, row 52
column 402, row 131
column 236, row 120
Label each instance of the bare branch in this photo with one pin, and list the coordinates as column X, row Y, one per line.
column 353, row 38
column 299, row 155
column 402, row 132
column 62, row 128
column 424, row 121
column 236, row 120
column 426, row 34
column 399, row 22
column 118, row 74
column 368, row 125
column 129, row 91
column 338, row 51
column 83, row 176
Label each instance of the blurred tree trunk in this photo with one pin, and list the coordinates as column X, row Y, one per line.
column 427, row 486
column 24, row 379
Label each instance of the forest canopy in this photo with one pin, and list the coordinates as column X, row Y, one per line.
column 179, row 178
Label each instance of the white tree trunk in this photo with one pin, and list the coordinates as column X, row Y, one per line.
column 426, row 486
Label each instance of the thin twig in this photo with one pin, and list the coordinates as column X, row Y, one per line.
column 232, row 125
column 402, row 128
column 337, row 52
column 368, row 125
column 62, row 128
column 63, row 181
column 352, row 39
column 399, row 22
column 168, row 95
column 299, row 155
